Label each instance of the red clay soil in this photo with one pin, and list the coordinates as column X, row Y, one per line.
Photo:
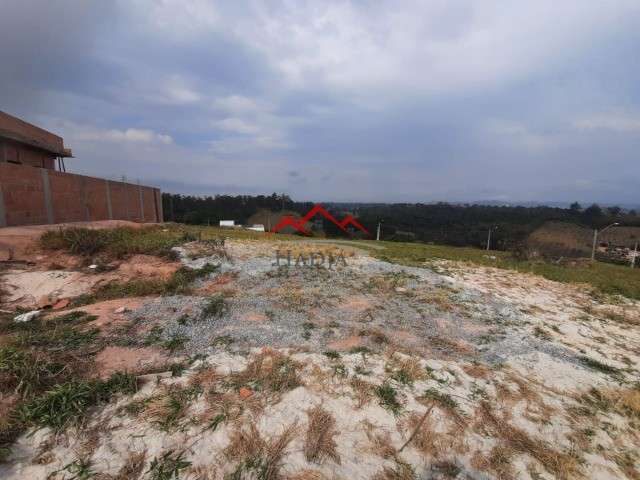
column 346, row 343
column 146, row 266
column 357, row 304
column 105, row 311
column 131, row 360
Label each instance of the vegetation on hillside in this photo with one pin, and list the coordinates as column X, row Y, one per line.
column 606, row 278
column 441, row 223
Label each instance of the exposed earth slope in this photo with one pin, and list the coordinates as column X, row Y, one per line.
column 367, row 369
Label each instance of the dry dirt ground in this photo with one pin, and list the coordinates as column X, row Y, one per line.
column 363, row 370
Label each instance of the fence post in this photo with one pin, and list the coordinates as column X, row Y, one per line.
column 109, row 208
column 48, row 202
column 141, row 202
column 3, row 215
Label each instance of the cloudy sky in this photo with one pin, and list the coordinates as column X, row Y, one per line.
column 456, row 100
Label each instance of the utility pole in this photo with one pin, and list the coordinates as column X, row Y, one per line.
column 595, row 238
column 489, row 237
column 378, row 232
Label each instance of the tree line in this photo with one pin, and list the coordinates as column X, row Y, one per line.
column 444, row 223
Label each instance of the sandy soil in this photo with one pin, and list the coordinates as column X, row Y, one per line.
column 449, row 372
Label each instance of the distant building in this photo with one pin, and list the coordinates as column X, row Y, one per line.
column 26, row 144
column 256, row 228
column 227, row 223
column 35, row 188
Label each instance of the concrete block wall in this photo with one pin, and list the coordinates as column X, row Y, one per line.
column 36, row 196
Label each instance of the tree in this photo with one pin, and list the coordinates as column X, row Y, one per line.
column 614, row 211
column 593, row 211
column 632, row 213
column 576, row 207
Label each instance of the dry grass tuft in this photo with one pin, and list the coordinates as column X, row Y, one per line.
column 425, row 439
column 622, row 316
column 270, row 371
column 497, row 462
column 307, row 474
column 562, row 465
column 381, row 443
column 441, row 298
column 626, row 401
column 205, row 378
column 319, row 443
column 476, row 370
column 203, row 472
column 259, row 457
column 132, row 467
column 364, row 391
column 406, row 370
column 401, row 471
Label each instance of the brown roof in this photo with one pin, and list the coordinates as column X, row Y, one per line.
column 13, row 128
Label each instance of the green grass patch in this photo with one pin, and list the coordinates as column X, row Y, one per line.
column 442, row 399
column 26, row 373
column 114, row 243
column 388, row 398
column 606, row 278
column 168, row 466
column 175, row 342
column 597, row 365
column 179, row 283
column 332, row 354
column 215, row 307
column 70, row 401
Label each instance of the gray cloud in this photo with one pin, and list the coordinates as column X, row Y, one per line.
column 422, row 101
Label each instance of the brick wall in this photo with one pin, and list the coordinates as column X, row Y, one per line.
column 34, row 196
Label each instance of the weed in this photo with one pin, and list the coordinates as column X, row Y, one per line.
column 332, row 354
column 360, row 370
column 388, row 398
column 217, row 420
column 600, row 367
column 139, row 287
column 561, row 465
column 541, row 333
column 79, row 469
column 363, row 350
column 222, row 340
column 175, row 342
column 376, row 336
column 319, row 443
column 26, row 373
column 401, row 376
column 154, row 336
column 406, row 371
column 215, row 307
column 269, row 371
column 442, row 399
column 132, row 467
column 363, row 391
column 168, row 466
column 339, row 370
column 401, row 471
column 168, row 411
column 307, row 327
column 259, row 458
column 179, row 283
column 115, row 243
column 65, row 402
